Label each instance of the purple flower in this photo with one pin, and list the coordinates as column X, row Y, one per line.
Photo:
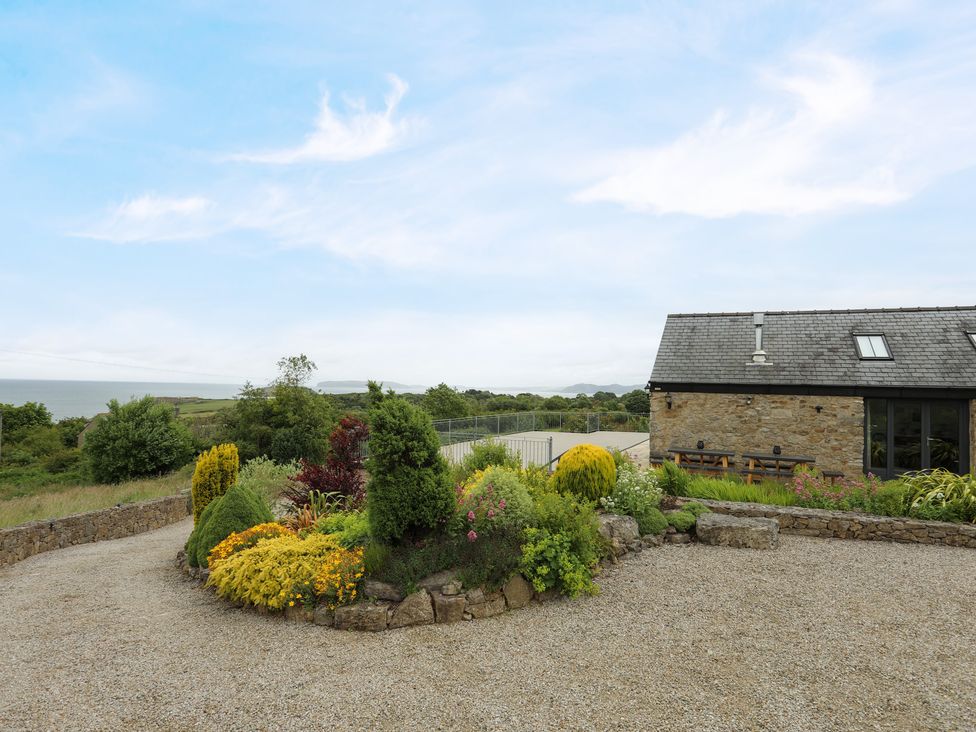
column 501, row 504
column 470, row 515
column 472, row 535
column 491, row 513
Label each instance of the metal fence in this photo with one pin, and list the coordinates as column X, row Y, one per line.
column 530, row 450
column 483, row 425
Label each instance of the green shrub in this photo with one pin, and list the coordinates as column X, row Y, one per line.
column 681, row 520
column 574, row 519
column 493, row 499
column 890, row 499
column 937, row 512
column 483, row 455
column 620, row 458
column 652, row 521
column 266, row 477
column 64, row 460
column 587, row 471
column 137, row 439
column 939, row 489
column 350, row 528
column 537, row 480
column 216, row 471
column 238, row 509
column 696, row 509
column 716, row 489
column 549, row 562
column 409, row 493
column 636, row 494
column 673, row 480
column 488, row 561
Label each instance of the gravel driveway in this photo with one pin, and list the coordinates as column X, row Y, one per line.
column 817, row 635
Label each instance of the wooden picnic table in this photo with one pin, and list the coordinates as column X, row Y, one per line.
column 773, row 466
column 708, row 461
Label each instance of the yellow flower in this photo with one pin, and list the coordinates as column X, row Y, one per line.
column 291, row 603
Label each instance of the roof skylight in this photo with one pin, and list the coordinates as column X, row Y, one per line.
column 872, row 347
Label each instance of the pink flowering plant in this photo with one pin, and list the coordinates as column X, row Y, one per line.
column 844, row 494
column 491, row 500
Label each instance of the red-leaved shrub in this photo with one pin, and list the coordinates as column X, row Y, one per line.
column 342, row 472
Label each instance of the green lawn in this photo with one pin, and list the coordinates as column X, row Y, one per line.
column 206, row 406
column 57, row 500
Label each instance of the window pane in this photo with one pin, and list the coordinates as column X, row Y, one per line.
column 972, row 337
column 864, row 345
column 907, row 429
column 878, row 343
column 877, row 434
column 944, row 438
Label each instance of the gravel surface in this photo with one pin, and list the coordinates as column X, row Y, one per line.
column 816, row 635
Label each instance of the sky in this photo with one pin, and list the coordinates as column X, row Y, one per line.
column 484, row 194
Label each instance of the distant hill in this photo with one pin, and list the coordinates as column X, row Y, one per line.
column 354, row 386
column 617, row 389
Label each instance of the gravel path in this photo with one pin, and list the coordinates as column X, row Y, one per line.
column 817, row 635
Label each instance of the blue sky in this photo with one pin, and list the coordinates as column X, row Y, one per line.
column 481, row 193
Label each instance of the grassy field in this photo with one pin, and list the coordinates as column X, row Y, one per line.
column 61, row 500
column 206, row 406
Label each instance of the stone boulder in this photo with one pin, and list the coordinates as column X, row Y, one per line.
column 748, row 533
column 381, row 591
column 490, row 604
column 517, row 592
column 416, row 609
column 436, row 581
column 324, row 616
column 449, row 608
column 622, row 528
column 361, row 616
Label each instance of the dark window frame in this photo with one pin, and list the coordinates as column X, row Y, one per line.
column 889, row 472
column 884, row 339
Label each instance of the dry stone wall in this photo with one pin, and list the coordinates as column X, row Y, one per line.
column 26, row 540
column 850, row 525
column 834, row 435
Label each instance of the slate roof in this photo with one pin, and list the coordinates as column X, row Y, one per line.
column 816, row 348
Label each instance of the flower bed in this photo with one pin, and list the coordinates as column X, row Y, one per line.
column 422, row 544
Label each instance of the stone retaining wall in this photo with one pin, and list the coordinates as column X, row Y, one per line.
column 26, row 540
column 850, row 525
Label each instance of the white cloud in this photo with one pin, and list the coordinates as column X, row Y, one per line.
column 357, row 135
column 150, row 218
column 811, row 151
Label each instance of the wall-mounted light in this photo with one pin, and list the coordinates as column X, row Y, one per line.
column 701, row 445
column 819, row 408
column 668, row 399
column 777, row 450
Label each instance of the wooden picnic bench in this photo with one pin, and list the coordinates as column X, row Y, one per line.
column 702, row 461
column 656, row 459
column 772, row 466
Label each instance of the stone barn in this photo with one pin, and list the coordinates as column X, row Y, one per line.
column 882, row 391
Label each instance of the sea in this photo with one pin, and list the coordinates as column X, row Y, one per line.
column 88, row 398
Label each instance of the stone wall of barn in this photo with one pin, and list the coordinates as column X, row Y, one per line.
column 834, row 435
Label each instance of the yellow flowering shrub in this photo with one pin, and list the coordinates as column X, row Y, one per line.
column 586, row 471
column 266, row 573
column 245, row 539
column 337, row 581
column 216, row 471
